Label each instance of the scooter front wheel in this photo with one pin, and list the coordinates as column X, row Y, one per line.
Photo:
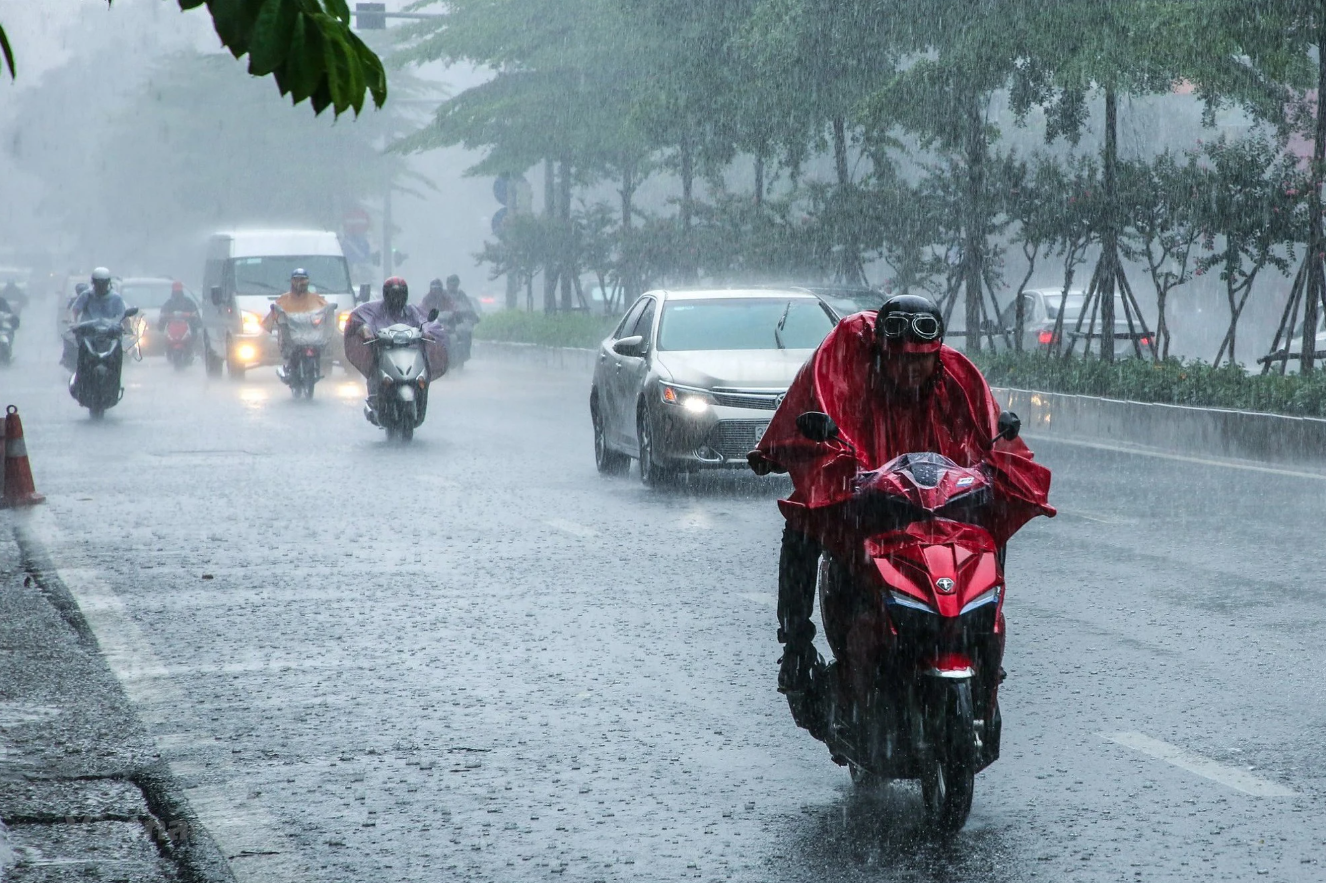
column 948, row 777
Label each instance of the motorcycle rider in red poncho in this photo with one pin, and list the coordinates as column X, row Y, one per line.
column 893, row 388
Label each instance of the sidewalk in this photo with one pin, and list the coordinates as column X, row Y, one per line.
column 79, row 778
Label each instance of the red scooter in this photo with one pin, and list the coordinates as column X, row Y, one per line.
column 911, row 593
column 179, row 339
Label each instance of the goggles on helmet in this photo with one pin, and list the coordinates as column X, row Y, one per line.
column 917, row 326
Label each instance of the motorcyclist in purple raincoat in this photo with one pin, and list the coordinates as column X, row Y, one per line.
column 368, row 319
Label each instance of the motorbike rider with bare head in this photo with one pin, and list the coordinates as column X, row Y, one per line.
column 892, row 387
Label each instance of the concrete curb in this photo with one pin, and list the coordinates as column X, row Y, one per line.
column 1205, row 432
column 183, row 838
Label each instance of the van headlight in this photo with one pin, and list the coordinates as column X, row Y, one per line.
column 691, row 400
column 341, row 319
column 250, row 323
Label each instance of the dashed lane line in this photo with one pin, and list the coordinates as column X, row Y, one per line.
column 575, row 530
column 1230, row 777
column 241, row 827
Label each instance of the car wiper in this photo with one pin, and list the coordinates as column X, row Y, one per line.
column 254, row 282
column 778, row 329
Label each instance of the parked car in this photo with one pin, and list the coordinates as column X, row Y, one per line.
column 689, row 379
column 1041, row 309
column 846, row 300
column 148, row 293
column 245, row 272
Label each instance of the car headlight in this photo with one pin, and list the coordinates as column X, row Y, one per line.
column 250, row 323
column 692, row 401
column 341, row 319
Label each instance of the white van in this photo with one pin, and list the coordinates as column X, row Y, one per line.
column 248, row 269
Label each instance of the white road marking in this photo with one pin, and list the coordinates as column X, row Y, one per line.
column 1230, row 777
column 575, row 530
column 760, row 598
column 1181, row 458
column 244, row 831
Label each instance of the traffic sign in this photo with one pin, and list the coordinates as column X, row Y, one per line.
column 502, row 190
column 355, row 222
column 499, row 223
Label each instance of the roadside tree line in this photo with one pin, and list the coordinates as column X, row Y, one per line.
column 737, row 106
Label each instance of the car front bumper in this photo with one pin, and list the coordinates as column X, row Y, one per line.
column 719, row 437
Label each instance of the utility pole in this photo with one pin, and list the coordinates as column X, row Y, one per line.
column 388, row 268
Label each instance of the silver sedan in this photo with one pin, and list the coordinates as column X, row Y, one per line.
column 689, row 379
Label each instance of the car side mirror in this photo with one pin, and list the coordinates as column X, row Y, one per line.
column 433, row 314
column 131, row 312
column 218, row 299
column 365, row 292
column 817, row 426
column 1010, row 426
column 633, row 346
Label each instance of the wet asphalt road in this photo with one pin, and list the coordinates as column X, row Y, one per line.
column 474, row 659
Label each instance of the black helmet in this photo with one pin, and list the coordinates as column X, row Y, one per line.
column 395, row 293
column 910, row 323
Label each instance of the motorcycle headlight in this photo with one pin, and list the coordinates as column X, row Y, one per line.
column 690, row 400
column 341, row 319
column 904, row 600
column 981, row 600
column 250, row 323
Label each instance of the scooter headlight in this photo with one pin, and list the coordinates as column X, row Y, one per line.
column 905, row 600
column 983, row 599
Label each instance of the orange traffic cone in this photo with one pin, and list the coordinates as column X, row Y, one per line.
column 18, row 487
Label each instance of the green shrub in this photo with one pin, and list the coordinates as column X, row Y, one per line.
column 556, row 329
column 1174, row 382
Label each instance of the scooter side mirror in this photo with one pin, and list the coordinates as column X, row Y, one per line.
column 218, row 299
column 817, row 426
column 365, row 292
column 132, row 311
column 433, row 314
column 1010, row 426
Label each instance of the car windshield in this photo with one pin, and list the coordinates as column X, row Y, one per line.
column 146, row 295
column 850, row 304
column 327, row 274
column 1073, row 307
column 743, row 324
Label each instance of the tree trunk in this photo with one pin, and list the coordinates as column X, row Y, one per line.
column 973, row 257
column 549, row 212
column 568, row 261
column 1316, row 241
column 759, row 181
column 850, row 271
column 627, row 268
column 688, row 268
column 1109, row 237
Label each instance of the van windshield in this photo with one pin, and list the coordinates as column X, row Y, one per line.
column 327, row 274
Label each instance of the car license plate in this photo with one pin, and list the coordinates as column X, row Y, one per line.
column 760, row 429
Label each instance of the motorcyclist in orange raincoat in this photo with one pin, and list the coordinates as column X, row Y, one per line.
column 297, row 300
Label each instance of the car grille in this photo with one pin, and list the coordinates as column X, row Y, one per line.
column 735, row 438
column 761, row 401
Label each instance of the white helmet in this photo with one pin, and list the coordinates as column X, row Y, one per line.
column 101, row 281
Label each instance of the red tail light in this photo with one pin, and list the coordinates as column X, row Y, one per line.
column 1145, row 341
column 1045, row 338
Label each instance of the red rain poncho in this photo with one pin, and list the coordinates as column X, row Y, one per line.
column 956, row 418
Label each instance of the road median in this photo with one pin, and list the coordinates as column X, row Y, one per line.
column 1205, row 432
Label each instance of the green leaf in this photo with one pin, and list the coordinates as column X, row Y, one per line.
column 340, row 9
column 303, row 62
column 272, row 33
column 233, row 20
column 8, row 53
column 335, row 60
